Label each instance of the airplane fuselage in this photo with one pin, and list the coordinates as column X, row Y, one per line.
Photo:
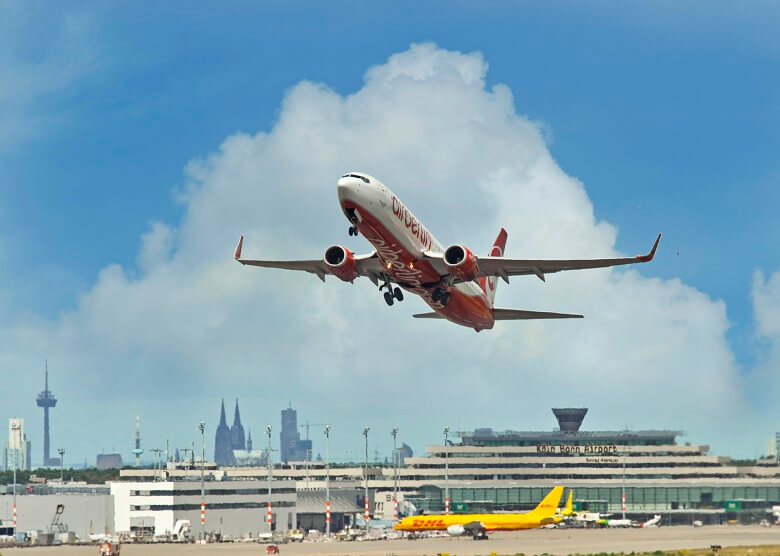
column 400, row 240
column 491, row 522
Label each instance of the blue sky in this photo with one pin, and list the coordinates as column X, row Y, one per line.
column 666, row 114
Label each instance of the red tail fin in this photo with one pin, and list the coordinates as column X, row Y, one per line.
column 488, row 283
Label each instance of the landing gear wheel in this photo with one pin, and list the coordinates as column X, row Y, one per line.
column 436, row 294
column 389, row 298
column 444, row 299
column 353, row 231
column 398, row 294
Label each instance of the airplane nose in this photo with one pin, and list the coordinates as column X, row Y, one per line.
column 347, row 187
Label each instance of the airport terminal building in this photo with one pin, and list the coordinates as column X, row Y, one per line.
column 511, row 470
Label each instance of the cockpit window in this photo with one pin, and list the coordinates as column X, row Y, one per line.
column 362, row 178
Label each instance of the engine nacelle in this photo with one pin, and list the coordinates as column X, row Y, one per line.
column 341, row 262
column 461, row 262
column 456, row 530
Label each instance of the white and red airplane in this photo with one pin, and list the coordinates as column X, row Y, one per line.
column 458, row 285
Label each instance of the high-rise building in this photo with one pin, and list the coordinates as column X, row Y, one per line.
column 773, row 450
column 223, row 442
column 16, row 450
column 289, row 435
column 46, row 400
column 290, row 443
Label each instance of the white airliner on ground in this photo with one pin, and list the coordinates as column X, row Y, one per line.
column 457, row 284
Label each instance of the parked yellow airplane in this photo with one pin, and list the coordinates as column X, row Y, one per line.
column 478, row 525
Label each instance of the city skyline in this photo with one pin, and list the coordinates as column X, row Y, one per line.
column 127, row 177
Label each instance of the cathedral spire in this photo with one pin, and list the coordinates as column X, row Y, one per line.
column 249, row 441
column 237, row 440
column 237, row 416
column 222, row 419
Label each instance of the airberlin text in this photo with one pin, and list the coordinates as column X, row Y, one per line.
column 417, row 229
column 410, row 277
column 576, row 450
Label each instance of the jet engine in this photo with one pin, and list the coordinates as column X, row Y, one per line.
column 461, row 262
column 341, row 262
column 456, row 530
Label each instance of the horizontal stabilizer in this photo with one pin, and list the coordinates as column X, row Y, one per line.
column 428, row 316
column 519, row 314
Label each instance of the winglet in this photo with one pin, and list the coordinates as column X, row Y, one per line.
column 649, row 257
column 237, row 256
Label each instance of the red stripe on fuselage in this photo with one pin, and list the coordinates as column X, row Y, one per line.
column 418, row 275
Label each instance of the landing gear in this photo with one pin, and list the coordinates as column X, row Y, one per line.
column 392, row 293
column 480, row 534
column 353, row 231
column 442, row 297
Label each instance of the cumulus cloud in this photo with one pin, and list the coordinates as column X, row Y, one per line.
column 764, row 379
column 187, row 325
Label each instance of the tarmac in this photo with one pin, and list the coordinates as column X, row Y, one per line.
column 538, row 541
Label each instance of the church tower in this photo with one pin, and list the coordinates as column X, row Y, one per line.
column 237, row 431
column 223, row 446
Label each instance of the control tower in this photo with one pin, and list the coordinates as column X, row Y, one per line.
column 46, row 400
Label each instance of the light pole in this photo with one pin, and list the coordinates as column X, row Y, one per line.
column 327, row 481
column 365, row 475
column 156, row 452
column 270, row 476
column 202, row 429
column 61, row 452
column 15, row 428
column 623, row 490
column 394, row 432
column 446, row 473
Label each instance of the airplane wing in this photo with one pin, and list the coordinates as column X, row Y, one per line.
column 511, row 314
column 504, row 267
column 519, row 314
column 368, row 265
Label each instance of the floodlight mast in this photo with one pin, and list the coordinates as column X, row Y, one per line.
column 446, row 472
column 15, row 428
column 327, row 480
column 365, row 475
column 394, row 432
column 270, row 476
column 202, row 429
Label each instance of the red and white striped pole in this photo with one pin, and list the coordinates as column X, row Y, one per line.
column 270, row 519
column 447, row 505
column 203, row 513
column 327, row 513
column 14, row 517
column 623, row 499
column 367, row 514
column 395, row 509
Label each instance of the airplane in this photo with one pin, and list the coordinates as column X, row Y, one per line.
column 477, row 525
column 457, row 284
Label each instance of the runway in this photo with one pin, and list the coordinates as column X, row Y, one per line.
column 551, row 541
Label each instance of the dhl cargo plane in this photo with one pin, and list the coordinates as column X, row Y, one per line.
column 477, row 525
column 457, row 284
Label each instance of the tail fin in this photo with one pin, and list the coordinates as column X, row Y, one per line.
column 568, row 509
column 549, row 505
column 488, row 283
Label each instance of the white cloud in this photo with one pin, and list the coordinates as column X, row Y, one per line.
column 193, row 326
column 764, row 379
